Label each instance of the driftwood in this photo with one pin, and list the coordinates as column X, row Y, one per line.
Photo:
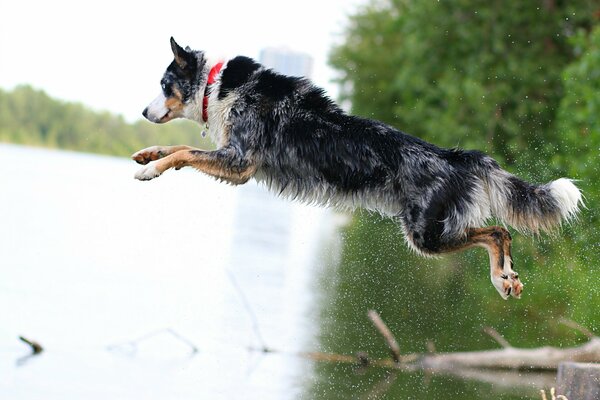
column 469, row 363
column 509, row 357
column 503, row 367
column 541, row 358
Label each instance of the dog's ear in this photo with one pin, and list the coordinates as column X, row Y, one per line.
column 182, row 57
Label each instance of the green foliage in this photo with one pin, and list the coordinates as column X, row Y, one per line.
column 519, row 80
column 579, row 111
column 29, row 116
column 470, row 73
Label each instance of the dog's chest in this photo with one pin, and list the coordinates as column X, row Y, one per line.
column 219, row 111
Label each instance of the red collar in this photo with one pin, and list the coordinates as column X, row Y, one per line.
column 212, row 77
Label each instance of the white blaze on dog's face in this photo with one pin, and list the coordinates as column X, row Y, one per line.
column 169, row 104
column 157, row 111
column 182, row 90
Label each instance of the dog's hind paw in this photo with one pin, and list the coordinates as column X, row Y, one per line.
column 148, row 154
column 508, row 284
column 503, row 285
column 517, row 286
column 147, row 173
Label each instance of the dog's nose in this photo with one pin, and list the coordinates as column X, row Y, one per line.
column 145, row 113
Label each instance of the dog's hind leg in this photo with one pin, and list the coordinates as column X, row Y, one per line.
column 517, row 285
column 497, row 241
column 425, row 232
column 154, row 153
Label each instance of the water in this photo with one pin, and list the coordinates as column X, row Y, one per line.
column 119, row 279
column 92, row 260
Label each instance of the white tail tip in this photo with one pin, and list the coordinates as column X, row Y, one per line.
column 568, row 197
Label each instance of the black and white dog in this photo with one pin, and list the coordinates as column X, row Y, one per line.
column 285, row 132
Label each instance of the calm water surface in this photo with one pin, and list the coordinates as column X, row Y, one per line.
column 92, row 260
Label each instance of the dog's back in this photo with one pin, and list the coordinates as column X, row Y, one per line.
column 307, row 148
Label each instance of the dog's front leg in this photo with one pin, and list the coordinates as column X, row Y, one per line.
column 154, row 153
column 227, row 164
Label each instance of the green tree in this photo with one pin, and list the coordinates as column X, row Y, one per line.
column 519, row 80
column 469, row 73
column 579, row 111
column 578, row 123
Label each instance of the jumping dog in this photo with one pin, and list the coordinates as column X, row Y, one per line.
column 286, row 133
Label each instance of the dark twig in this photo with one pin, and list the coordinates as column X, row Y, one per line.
column 36, row 348
column 496, row 336
column 387, row 335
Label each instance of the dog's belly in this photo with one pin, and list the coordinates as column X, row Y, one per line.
column 314, row 190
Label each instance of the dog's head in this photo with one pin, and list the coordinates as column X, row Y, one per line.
column 182, row 85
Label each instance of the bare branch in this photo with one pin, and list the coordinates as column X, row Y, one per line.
column 131, row 347
column 497, row 337
column 430, row 346
column 574, row 325
column 328, row 357
column 387, row 335
column 184, row 340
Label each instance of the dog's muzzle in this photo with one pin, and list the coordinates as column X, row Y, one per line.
column 157, row 111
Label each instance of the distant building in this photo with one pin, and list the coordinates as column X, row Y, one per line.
column 287, row 61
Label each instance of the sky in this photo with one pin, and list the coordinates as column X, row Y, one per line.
column 110, row 55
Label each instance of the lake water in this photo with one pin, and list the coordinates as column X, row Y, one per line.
column 120, row 279
column 92, row 259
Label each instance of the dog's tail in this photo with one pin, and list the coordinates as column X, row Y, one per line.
column 532, row 208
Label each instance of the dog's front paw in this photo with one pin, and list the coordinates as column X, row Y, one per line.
column 147, row 173
column 148, row 154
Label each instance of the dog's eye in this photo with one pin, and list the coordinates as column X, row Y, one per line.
column 163, row 86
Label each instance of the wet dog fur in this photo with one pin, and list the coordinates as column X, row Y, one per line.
column 286, row 133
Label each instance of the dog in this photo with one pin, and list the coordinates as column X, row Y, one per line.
column 286, row 133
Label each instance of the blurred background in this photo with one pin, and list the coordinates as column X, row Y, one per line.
column 171, row 288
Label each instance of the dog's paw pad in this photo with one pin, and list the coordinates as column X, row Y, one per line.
column 147, row 173
column 146, row 155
